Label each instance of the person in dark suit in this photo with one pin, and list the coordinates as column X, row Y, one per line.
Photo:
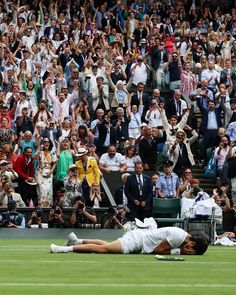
column 176, row 106
column 49, row 31
column 121, row 124
column 148, row 148
column 53, row 132
column 159, row 55
column 137, row 96
column 120, row 196
column 138, row 190
column 211, row 122
column 65, row 57
column 140, row 33
column 107, row 136
column 82, row 57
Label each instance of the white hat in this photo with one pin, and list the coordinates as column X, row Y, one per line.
column 119, row 57
column 72, row 166
column 198, row 65
column 62, row 138
column 81, row 151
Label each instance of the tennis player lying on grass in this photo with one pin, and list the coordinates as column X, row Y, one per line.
column 166, row 240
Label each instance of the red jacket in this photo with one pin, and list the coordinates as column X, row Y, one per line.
column 24, row 170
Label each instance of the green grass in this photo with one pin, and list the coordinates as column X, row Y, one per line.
column 27, row 267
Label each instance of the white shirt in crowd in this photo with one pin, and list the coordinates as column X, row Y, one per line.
column 140, row 73
column 153, row 117
column 112, row 163
column 62, row 107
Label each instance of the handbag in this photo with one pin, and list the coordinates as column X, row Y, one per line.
column 211, row 168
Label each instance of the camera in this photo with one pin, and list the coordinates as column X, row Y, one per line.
column 80, row 206
column 111, row 211
column 39, row 214
column 5, row 223
column 58, row 211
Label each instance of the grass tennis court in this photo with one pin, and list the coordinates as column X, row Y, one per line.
column 27, row 267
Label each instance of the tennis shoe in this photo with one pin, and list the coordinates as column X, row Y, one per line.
column 57, row 249
column 71, row 239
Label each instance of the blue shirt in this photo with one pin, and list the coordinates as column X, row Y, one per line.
column 231, row 131
column 168, row 185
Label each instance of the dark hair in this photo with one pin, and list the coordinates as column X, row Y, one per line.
column 174, row 116
column 212, row 101
column 5, row 118
column 28, row 147
column 129, row 148
column 50, row 143
column 138, row 163
column 82, row 127
column 201, row 244
column 155, row 173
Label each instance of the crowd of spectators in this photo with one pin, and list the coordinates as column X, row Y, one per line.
column 90, row 87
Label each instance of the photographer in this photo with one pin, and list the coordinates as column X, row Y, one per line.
column 82, row 216
column 116, row 220
column 12, row 218
column 36, row 219
column 56, row 217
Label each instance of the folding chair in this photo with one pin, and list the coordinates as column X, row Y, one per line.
column 168, row 206
column 198, row 226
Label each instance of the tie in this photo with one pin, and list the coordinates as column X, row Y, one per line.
column 179, row 107
column 140, row 185
column 84, row 165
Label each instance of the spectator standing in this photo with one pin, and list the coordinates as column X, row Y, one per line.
column 138, row 191
column 72, row 186
column 148, row 147
column 168, row 182
column 180, row 152
column 65, row 159
column 47, row 162
column 88, row 172
column 24, row 166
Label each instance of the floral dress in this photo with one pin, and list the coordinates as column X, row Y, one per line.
column 45, row 184
column 5, row 136
column 73, row 189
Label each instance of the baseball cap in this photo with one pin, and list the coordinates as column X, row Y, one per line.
column 168, row 163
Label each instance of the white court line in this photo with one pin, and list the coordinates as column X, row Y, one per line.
column 116, row 262
column 21, row 247
column 120, row 285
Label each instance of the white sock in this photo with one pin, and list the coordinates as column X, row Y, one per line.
column 79, row 242
column 66, row 249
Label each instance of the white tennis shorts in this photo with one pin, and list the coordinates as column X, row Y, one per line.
column 131, row 242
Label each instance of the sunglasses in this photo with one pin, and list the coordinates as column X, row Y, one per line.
column 187, row 172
